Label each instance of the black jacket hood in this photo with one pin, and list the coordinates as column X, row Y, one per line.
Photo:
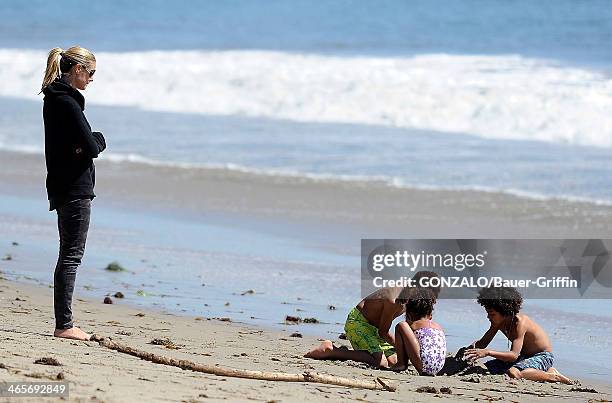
column 60, row 87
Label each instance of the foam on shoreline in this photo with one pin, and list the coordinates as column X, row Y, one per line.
column 275, row 175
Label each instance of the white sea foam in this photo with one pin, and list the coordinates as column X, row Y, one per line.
column 23, row 149
column 364, row 180
column 295, row 176
column 509, row 97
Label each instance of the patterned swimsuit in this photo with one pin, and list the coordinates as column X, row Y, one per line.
column 432, row 343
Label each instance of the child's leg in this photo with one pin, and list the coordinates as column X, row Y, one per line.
column 560, row 376
column 407, row 348
column 327, row 351
column 402, row 357
column 532, row 374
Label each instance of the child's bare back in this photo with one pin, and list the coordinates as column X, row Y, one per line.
column 381, row 303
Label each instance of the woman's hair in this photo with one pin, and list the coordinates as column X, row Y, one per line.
column 61, row 61
column 420, row 304
column 505, row 300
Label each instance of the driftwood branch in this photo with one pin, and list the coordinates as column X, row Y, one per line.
column 378, row 384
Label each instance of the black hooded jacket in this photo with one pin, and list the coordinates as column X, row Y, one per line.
column 70, row 145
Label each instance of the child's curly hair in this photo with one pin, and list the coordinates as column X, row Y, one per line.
column 406, row 293
column 420, row 304
column 429, row 275
column 505, row 300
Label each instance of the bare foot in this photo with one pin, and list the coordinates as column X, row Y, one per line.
column 322, row 351
column 73, row 333
column 560, row 377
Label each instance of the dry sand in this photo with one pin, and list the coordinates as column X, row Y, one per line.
column 95, row 373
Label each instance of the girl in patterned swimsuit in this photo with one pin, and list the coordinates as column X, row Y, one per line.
column 419, row 339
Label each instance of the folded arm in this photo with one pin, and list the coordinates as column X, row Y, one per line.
column 92, row 144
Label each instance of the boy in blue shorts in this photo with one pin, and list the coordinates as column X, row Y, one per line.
column 530, row 356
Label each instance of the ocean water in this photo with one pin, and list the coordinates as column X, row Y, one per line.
column 420, row 94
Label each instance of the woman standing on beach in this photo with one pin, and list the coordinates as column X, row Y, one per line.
column 70, row 147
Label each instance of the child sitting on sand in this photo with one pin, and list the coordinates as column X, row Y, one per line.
column 367, row 328
column 530, row 356
column 419, row 339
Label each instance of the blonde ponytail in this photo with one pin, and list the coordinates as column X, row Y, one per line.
column 53, row 67
column 68, row 58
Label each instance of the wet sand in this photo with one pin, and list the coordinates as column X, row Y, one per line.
column 368, row 209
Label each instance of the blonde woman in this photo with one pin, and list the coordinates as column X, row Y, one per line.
column 70, row 147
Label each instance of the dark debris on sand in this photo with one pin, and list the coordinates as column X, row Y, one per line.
column 292, row 319
column 430, row 389
column 48, row 361
column 115, row 266
column 119, row 295
column 161, row 342
column 289, row 319
column 296, row 335
column 586, row 390
column 108, row 300
column 166, row 342
column 311, row 320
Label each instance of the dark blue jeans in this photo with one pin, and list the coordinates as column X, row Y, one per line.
column 72, row 224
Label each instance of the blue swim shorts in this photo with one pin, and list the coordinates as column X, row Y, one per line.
column 542, row 361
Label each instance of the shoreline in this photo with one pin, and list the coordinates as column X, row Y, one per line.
column 378, row 211
column 95, row 372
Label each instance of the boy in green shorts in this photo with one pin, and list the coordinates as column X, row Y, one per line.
column 367, row 328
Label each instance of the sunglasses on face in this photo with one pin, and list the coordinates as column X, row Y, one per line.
column 72, row 62
column 90, row 72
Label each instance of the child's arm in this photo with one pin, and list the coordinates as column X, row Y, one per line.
column 486, row 338
column 386, row 319
column 508, row 356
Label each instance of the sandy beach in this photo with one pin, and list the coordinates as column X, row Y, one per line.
column 262, row 167
column 95, row 373
column 329, row 220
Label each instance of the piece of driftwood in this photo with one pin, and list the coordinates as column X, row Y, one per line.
column 378, row 384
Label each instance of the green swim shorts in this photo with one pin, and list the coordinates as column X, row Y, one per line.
column 364, row 336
